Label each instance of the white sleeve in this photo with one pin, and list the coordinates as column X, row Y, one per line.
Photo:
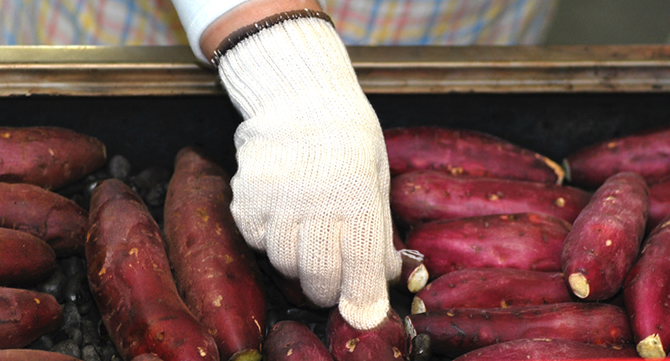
column 196, row 15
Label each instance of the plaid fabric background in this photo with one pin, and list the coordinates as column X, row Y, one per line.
column 359, row 22
column 441, row 22
column 89, row 22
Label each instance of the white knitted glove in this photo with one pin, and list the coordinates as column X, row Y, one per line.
column 312, row 187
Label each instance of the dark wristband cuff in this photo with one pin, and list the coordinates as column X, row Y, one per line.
column 238, row 36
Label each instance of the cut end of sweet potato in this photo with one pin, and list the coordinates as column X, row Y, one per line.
column 418, row 306
column 579, row 285
column 409, row 328
column 418, row 279
column 651, row 347
column 247, row 355
column 560, row 172
column 566, row 168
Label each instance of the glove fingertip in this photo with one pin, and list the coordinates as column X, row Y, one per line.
column 364, row 317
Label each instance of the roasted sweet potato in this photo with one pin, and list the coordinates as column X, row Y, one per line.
column 49, row 157
column 659, row 202
column 25, row 316
column 33, row 355
column 293, row 341
column 424, row 196
column 46, row 215
column 216, row 272
column 456, row 331
column 605, row 238
column 466, row 153
column 147, row 357
column 547, row 349
column 131, row 281
column 646, row 291
column 387, row 341
column 531, row 241
column 413, row 275
column 645, row 153
column 490, row 288
column 24, row 258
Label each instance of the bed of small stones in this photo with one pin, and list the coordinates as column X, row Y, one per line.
column 83, row 335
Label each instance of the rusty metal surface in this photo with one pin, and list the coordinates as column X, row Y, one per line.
column 95, row 71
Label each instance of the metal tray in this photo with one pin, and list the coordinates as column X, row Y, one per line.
column 94, row 71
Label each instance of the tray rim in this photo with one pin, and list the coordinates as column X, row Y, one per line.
column 173, row 70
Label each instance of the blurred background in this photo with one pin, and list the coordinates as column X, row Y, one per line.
column 610, row 22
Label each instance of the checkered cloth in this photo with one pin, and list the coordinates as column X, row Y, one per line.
column 441, row 22
column 89, row 22
column 359, row 22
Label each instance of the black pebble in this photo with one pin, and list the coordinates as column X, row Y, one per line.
column 88, row 353
column 67, row 347
column 90, row 335
column 54, row 285
column 71, row 316
column 119, row 167
column 44, row 343
column 75, row 334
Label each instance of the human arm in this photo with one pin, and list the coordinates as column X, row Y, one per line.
column 312, row 185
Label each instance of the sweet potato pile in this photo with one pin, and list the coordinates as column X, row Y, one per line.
column 38, row 225
column 505, row 256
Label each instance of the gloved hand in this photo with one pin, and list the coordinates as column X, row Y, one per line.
column 312, row 186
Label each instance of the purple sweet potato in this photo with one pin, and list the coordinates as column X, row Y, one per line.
column 646, row 153
column 293, row 341
column 24, row 354
column 216, row 272
column 424, row 196
column 456, row 331
column 49, row 157
column 490, row 288
column 387, row 341
column 659, row 202
column 646, row 291
column 25, row 316
column 413, row 275
column 466, row 153
column 547, row 349
column 24, row 258
column 46, row 215
column 147, row 357
column 531, row 241
column 131, row 281
column 605, row 238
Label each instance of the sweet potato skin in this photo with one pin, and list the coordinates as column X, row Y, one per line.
column 659, row 202
column 24, row 258
column 387, row 341
column 531, row 241
column 147, row 357
column 605, row 238
column 547, row 349
column 25, row 316
column 132, row 284
column 466, row 153
column 645, row 153
column 33, row 355
column 456, row 331
column 425, row 196
column 49, row 157
column 293, row 341
column 490, row 288
column 46, row 215
column 413, row 275
column 646, row 291
column 217, row 274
